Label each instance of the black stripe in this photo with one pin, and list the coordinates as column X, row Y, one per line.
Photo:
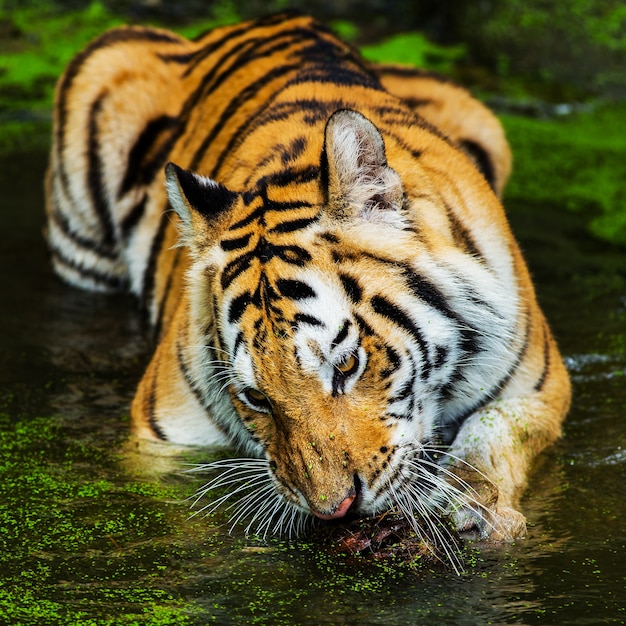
column 425, row 291
column 244, row 96
column 394, row 362
column 404, row 116
column 409, row 72
column 141, row 170
column 95, row 168
column 237, row 306
column 398, row 417
column 151, row 409
column 260, row 337
column 303, row 318
column 333, row 75
column 130, row 221
column 293, row 225
column 341, row 335
column 416, row 103
column 462, row 235
column 110, row 38
column 235, row 244
column 294, row 289
column 61, row 222
column 481, row 158
column 245, row 53
column 289, row 176
column 278, row 206
column 441, row 354
column 294, row 150
column 111, row 282
column 364, row 327
column 495, row 389
column 546, row 360
column 165, row 295
column 184, row 370
column 205, row 88
column 351, row 286
column 387, row 309
column 294, row 255
column 317, row 110
column 235, row 268
column 255, row 215
column 330, row 237
column 238, row 342
column 199, row 55
column 251, row 48
column 183, row 58
column 147, row 291
column 237, row 51
column 284, row 16
column 219, row 337
column 405, row 391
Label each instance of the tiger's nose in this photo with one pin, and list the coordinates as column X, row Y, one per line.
column 340, row 511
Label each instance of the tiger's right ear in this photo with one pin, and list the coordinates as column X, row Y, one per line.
column 200, row 202
column 360, row 183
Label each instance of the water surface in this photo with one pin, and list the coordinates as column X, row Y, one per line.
column 94, row 531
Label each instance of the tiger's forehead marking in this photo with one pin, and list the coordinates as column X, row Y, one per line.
column 303, row 324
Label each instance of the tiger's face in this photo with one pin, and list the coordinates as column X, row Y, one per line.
column 334, row 404
column 333, row 347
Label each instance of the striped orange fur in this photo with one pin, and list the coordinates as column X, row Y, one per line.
column 329, row 274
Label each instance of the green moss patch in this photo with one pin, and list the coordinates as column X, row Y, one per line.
column 73, row 543
column 414, row 49
column 576, row 163
column 39, row 46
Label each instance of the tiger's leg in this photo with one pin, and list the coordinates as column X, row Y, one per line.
column 492, row 453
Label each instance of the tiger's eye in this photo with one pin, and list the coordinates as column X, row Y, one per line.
column 349, row 365
column 257, row 400
column 256, row 395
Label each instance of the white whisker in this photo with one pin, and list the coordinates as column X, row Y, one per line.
column 252, row 497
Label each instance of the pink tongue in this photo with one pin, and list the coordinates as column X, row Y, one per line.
column 342, row 509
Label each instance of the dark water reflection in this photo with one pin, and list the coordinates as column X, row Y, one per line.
column 86, row 535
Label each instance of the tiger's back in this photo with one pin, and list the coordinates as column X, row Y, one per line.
column 338, row 291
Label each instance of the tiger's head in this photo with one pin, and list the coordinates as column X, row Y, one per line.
column 324, row 320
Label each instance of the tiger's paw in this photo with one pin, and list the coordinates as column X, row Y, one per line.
column 476, row 522
column 479, row 513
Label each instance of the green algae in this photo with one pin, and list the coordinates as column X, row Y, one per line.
column 87, row 543
column 43, row 41
column 414, row 49
column 63, row 525
column 41, row 45
column 574, row 162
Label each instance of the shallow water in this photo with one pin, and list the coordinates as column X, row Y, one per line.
column 93, row 531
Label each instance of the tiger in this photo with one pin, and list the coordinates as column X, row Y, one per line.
column 319, row 249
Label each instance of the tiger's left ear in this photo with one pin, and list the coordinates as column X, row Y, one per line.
column 360, row 183
column 200, row 202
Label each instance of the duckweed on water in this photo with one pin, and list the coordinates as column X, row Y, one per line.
column 63, row 527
